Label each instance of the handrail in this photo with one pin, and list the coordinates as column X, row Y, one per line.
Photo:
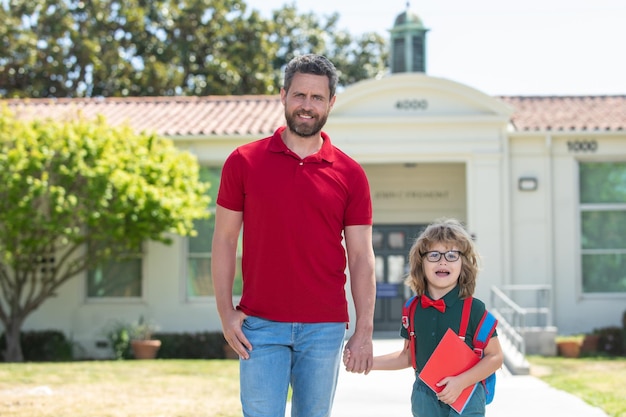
column 510, row 334
column 518, row 316
column 513, row 319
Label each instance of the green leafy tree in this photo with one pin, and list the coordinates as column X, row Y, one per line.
column 356, row 57
column 76, row 48
column 79, row 193
column 361, row 58
column 297, row 34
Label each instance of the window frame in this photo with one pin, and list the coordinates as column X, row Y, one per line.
column 188, row 254
column 141, row 256
column 594, row 207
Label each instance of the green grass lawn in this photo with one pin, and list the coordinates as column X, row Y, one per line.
column 210, row 388
column 600, row 382
column 172, row 388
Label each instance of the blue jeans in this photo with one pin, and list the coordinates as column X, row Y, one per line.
column 305, row 355
column 424, row 403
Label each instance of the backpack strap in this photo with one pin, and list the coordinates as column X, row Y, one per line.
column 408, row 314
column 485, row 328
column 465, row 316
column 484, row 331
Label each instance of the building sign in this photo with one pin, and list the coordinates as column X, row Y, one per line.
column 411, row 195
column 576, row 146
column 412, row 104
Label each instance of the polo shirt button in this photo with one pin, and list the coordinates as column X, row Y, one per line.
column 301, row 163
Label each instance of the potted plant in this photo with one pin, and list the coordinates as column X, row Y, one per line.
column 118, row 335
column 590, row 343
column 569, row 346
column 142, row 343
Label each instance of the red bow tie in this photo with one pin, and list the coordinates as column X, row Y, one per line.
column 439, row 304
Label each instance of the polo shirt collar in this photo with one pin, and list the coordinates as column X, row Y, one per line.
column 326, row 152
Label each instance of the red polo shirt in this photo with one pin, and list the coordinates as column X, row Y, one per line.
column 294, row 213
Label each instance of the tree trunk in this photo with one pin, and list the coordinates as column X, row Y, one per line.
column 13, row 352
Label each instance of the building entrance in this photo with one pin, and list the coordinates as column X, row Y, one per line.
column 391, row 248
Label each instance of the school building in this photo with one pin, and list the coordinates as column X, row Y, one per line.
column 539, row 181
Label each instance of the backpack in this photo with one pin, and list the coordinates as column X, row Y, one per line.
column 485, row 329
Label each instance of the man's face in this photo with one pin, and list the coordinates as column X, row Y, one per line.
column 307, row 104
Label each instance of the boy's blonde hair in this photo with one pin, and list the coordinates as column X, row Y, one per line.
column 450, row 233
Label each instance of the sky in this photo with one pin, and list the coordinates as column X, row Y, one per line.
column 501, row 47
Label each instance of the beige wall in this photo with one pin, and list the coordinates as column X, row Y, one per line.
column 164, row 302
column 545, row 224
column 449, row 156
column 417, row 193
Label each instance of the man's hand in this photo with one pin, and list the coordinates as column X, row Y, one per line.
column 231, row 325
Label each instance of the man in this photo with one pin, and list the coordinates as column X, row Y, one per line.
column 297, row 197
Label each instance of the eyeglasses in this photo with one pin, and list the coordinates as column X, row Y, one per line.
column 435, row 256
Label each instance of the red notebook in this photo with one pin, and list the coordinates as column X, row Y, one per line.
column 450, row 358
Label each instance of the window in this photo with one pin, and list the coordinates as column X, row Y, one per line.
column 399, row 60
column 603, row 226
column 199, row 279
column 418, row 54
column 116, row 279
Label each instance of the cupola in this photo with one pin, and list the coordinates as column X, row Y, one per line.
column 408, row 43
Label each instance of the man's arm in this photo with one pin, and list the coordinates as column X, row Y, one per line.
column 363, row 287
column 223, row 263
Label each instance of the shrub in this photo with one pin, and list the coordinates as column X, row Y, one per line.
column 43, row 346
column 118, row 335
column 611, row 340
column 201, row 345
column 52, row 345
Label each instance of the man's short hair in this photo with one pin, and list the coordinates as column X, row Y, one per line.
column 312, row 64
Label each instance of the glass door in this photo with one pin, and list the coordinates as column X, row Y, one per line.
column 391, row 248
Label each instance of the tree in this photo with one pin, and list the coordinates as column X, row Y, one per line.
column 360, row 58
column 74, row 48
column 356, row 58
column 79, row 193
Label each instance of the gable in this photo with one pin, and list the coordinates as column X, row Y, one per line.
column 416, row 95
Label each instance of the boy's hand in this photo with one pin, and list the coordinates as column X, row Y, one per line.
column 346, row 356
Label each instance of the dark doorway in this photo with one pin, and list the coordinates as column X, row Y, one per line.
column 391, row 247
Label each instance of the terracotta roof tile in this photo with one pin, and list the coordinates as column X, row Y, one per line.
column 259, row 115
column 168, row 116
column 568, row 113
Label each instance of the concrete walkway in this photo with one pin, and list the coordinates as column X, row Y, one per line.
column 388, row 394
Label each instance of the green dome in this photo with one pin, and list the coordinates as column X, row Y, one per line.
column 408, row 17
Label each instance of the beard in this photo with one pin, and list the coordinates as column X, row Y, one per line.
column 303, row 129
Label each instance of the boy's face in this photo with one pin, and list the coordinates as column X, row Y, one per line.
column 443, row 275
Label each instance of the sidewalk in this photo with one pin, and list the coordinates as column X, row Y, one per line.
column 388, row 394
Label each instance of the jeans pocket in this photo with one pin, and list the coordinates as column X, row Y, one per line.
column 251, row 322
